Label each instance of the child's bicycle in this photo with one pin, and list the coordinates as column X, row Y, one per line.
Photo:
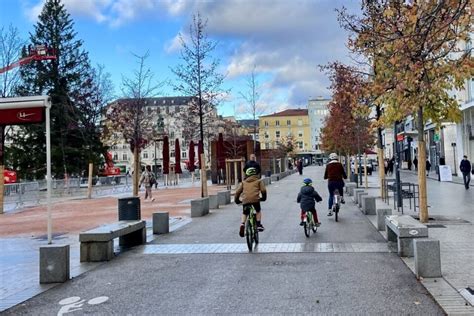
column 251, row 231
column 308, row 224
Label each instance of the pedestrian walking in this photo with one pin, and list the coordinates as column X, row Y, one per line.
column 415, row 163
column 252, row 163
column 148, row 179
column 428, row 167
column 300, row 166
column 465, row 168
column 391, row 162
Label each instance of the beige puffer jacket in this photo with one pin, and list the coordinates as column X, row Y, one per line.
column 250, row 190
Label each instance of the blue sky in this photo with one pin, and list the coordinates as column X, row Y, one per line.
column 285, row 40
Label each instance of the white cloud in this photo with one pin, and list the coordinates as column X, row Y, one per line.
column 95, row 9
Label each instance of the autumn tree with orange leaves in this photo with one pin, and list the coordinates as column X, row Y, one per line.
column 347, row 129
column 419, row 55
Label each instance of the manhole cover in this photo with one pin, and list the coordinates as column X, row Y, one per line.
column 444, row 220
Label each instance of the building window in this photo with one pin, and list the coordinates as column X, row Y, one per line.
column 277, row 134
column 172, row 154
column 300, row 122
column 266, row 123
column 300, row 145
column 300, row 133
column 124, row 157
column 288, row 122
column 266, row 135
column 277, row 123
column 145, row 155
column 183, row 154
column 115, row 157
column 267, row 146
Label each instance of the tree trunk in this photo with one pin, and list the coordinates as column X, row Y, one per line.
column 365, row 171
column 203, row 177
column 136, row 171
column 381, row 164
column 89, row 181
column 2, row 187
column 348, row 166
column 423, row 203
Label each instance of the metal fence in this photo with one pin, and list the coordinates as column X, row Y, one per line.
column 24, row 194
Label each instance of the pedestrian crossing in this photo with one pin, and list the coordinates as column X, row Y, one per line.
column 264, row 248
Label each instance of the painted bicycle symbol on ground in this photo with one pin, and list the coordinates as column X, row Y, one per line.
column 75, row 303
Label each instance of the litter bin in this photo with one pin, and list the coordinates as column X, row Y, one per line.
column 129, row 209
column 354, row 177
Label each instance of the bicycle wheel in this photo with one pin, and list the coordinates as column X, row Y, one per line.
column 249, row 235
column 336, row 212
column 307, row 225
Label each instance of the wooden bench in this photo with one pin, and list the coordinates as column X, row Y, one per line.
column 402, row 229
column 98, row 244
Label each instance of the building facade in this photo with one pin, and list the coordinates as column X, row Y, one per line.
column 317, row 111
column 278, row 127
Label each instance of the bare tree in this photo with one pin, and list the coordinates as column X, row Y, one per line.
column 10, row 51
column 137, row 125
column 251, row 97
column 198, row 76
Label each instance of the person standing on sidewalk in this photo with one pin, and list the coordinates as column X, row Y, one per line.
column 300, row 166
column 428, row 167
column 415, row 163
column 148, row 179
column 465, row 168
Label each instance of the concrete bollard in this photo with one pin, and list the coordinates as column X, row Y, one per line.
column 355, row 193
column 213, row 202
column 54, row 264
column 427, row 257
column 349, row 186
column 359, row 198
column 381, row 213
column 368, row 205
column 200, row 207
column 223, row 197
column 161, row 223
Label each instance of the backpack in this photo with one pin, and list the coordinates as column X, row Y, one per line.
column 152, row 179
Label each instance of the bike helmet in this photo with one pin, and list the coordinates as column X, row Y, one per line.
column 333, row 156
column 307, row 181
column 250, row 172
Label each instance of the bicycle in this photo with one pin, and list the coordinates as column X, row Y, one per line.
column 309, row 224
column 336, row 206
column 251, row 231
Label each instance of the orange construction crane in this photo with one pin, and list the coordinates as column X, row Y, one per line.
column 37, row 52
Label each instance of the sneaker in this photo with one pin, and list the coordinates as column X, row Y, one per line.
column 153, row 199
column 242, row 230
column 318, row 224
column 302, row 223
column 330, row 213
column 260, row 228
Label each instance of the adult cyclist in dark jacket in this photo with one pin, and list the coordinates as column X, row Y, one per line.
column 307, row 198
column 335, row 175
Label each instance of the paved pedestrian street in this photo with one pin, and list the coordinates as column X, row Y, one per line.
column 203, row 268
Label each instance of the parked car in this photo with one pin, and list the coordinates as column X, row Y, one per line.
column 370, row 167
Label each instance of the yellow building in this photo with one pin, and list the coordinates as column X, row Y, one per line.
column 276, row 127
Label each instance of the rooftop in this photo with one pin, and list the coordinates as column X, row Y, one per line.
column 289, row 112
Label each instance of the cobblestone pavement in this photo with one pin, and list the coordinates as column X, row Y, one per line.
column 202, row 269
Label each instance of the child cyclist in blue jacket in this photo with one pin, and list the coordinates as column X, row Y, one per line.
column 307, row 198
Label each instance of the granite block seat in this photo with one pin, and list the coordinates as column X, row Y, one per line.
column 97, row 244
column 403, row 229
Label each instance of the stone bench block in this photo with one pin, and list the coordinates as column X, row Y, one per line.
column 161, row 223
column 381, row 213
column 274, row 177
column 368, row 205
column 200, row 207
column 213, row 202
column 355, row 193
column 359, row 198
column 223, row 197
column 54, row 264
column 349, row 186
column 427, row 258
column 403, row 229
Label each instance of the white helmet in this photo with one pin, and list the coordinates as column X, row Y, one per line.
column 333, row 156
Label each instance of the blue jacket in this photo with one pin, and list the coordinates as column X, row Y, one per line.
column 307, row 198
column 465, row 166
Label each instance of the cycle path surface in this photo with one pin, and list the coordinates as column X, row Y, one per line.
column 204, row 268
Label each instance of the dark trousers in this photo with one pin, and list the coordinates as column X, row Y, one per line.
column 466, row 176
column 333, row 185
